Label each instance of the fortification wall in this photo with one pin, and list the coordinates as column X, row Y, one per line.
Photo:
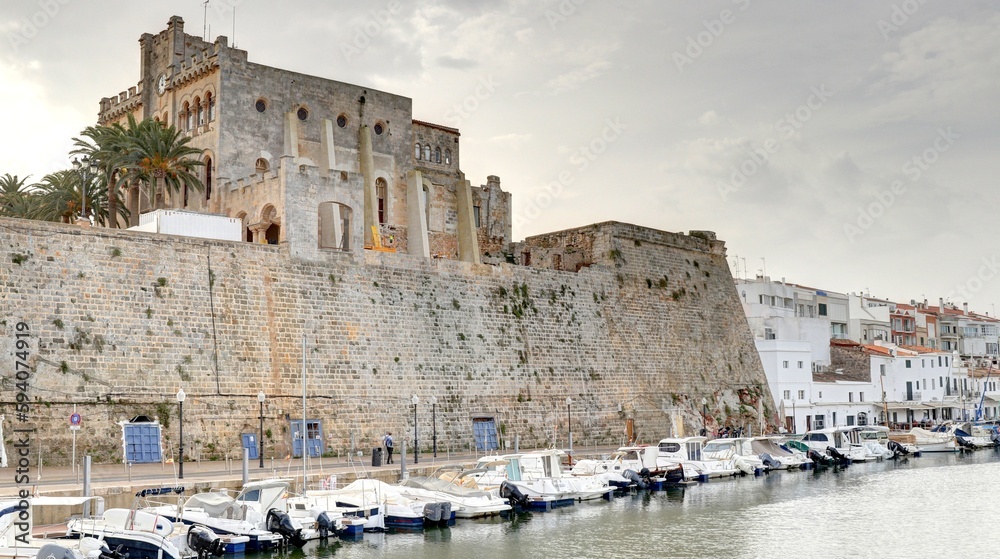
column 121, row 320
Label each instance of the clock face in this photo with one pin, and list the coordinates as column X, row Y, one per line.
column 161, row 84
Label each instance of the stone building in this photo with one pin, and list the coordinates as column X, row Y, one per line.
column 319, row 164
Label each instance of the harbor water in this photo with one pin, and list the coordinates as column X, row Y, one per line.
column 928, row 506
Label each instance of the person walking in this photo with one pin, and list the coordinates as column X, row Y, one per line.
column 388, row 447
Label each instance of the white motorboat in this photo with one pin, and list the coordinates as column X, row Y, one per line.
column 769, row 449
column 689, row 453
column 839, row 444
column 381, row 504
column 145, row 535
column 245, row 514
column 637, row 464
column 451, row 484
column 537, row 479
column 927, row 441
column 20, row 540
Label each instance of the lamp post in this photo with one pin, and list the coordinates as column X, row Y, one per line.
column 415, row 401
column 87, row 168
column 704, row 417
column 260, row 399
column 180, row 417
column 434, row 425
column 569, row 421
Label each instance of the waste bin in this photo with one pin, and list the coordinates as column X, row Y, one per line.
column 376, row 457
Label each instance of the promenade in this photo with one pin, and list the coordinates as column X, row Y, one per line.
column 119, row 482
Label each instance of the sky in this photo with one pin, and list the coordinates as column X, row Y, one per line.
column 850, row 146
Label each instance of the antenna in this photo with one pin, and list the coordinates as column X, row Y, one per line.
column 234, row 26
column 204, row 21
column 763, row 266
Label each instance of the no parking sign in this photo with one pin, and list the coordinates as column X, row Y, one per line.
column 74, row 421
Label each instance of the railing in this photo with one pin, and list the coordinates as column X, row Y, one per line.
column 914, row 396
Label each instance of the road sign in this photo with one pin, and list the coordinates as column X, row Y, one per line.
column 75, row 420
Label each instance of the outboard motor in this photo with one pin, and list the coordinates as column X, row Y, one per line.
column 635, row 478
column 445, row 512
column 964, row 443
column 203, row 541
column 769, row 461
column 513, row 495
column 324, row 525
column 896, row 449
column 280, row 523
column 995, row 436
column 818, row 458
column 672, row 476
column 432, row 512
column 59, row 552
column 836, row 454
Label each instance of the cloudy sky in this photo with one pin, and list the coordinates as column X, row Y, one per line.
column 848, row 145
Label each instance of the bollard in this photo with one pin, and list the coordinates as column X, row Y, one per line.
column 517, row 444
column 86, row 485
column 246, row 466
column 402, row 460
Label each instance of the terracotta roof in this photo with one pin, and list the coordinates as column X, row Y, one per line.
column 843, row 343
column 878, row 349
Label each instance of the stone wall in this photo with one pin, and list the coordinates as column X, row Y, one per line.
column 121, row 320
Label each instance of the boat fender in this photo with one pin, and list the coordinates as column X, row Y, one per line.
column 432, row 512
column 769, row 461
column 512, row 494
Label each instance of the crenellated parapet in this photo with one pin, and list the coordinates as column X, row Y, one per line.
column 116, row 107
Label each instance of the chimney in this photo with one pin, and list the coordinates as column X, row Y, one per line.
column 965, row 308
column 940, row 304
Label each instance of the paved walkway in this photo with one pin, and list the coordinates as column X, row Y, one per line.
column 62, row 479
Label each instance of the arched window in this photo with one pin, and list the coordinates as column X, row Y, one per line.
column 427, row 152
column 416, row 151
column 437, row 155
column 211, row 106
column 188, row 116
column 380, row 191
column 185, row 195
column 447, row 157
column 208, row 178
column 200, row 111
column 262, row 166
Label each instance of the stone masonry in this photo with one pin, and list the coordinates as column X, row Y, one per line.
column 120, row 320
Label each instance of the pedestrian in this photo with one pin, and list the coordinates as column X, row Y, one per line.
column 388, row 447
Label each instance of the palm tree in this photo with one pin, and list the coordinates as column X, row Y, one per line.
column 159, row 157
column 105, row 147
column 15, row 198
column 59, row 197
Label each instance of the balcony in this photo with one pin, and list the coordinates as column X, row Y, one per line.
column 914, row 396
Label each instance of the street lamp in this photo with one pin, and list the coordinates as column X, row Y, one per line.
column 569, row 420
column 87, row 168
column 434, row 425
column 260, row 399
column 704, row 417
column 415, row 401
column 180, row 416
